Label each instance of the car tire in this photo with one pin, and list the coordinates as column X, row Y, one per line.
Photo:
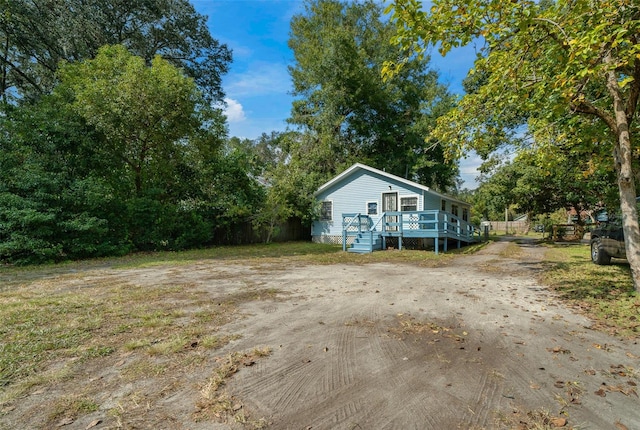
column 599, row 255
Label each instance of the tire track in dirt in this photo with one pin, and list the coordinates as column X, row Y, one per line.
column 282, row 387
column 347, row 339
column 341, row 357
column 489, row 361
column 401, row 399
column 484, row 402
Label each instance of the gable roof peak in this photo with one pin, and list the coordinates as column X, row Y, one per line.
column 360, row 166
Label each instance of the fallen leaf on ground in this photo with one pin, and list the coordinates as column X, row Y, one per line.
column 65, row 422
column 93, row 424
column 559, row 422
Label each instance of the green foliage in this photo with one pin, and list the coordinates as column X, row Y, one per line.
column 36, row 36
column 142, row 112
column 52, row 206
column 535, row 183
column 122, row 156
column 347, row 112
column 543, row 63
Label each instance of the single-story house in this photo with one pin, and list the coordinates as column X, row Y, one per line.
column 370, row 192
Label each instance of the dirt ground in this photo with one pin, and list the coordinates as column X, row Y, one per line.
column 476, row 344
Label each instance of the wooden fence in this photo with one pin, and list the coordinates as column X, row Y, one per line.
column 244, row 233
column 517, row 226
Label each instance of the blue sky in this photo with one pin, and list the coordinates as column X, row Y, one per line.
column 258, row 85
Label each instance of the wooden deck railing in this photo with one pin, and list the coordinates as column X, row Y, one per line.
column 427, row 224
column 354, row 224
column 416, row 224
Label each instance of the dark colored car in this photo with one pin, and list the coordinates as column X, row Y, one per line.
column 607, row 241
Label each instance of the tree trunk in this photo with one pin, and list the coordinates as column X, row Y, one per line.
column 626, row 184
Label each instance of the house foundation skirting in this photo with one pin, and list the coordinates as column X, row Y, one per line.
column 392, row 242
column 332, row 239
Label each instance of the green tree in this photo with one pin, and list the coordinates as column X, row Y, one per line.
column 347, row 113
column 55, row 202
column 36, row 35
column 545, row 60
column 121, row 156
column 541, row 183
column 143, row 112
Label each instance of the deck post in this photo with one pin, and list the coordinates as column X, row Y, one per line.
column 431, row 224
column 400, row 231
column 344, row 240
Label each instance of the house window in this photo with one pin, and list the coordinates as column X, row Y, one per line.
column 326, row 211
column 372, row 208
column 408, row 204
column 443, row 207
column 454, row 210
column 465, row 214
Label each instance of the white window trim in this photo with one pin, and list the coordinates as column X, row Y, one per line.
column 327, row 220
column 409, row 196
column 366, row 207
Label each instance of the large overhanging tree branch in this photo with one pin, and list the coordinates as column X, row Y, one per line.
column 42, row 33
column 544, row 61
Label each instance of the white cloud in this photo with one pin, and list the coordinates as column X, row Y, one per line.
column 260, row 79
column 469, row 170
column 233, row 110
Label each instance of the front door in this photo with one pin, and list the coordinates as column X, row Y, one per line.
column 390, row 204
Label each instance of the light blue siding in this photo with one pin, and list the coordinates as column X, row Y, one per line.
column 351, row 193
column 432, row 201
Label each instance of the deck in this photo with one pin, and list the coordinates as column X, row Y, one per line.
column 431, row 224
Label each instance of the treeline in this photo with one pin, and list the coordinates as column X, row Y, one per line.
column 108, row 139
column 112, row 138
column 120, row 156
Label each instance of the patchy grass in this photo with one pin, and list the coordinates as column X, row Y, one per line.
column 45, row 323
column 59, row 320
column 215, row 402
column 604, row 293
column 533, row 420
column 66, row 409
column 304, row 252
column 512, row 250
column 84, row 325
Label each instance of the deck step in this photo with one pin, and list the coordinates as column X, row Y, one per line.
column 364, row 244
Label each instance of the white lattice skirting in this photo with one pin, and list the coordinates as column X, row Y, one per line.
column 392, row 242
column 333, row 240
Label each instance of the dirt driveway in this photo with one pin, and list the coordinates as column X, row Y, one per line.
column 476, row 344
